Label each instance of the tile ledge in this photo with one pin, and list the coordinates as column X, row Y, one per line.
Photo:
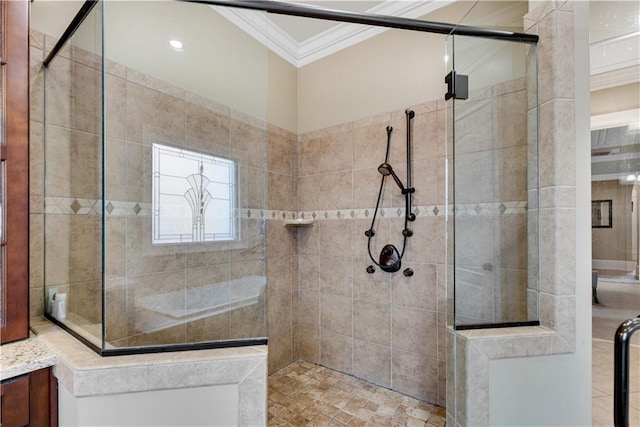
column 81, row 358
column 501, row 333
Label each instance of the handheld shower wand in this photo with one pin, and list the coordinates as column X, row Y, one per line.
column 385, row 169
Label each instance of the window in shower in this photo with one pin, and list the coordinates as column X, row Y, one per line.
column 193, row 196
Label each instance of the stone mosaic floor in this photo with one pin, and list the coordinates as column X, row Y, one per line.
column 304, row 394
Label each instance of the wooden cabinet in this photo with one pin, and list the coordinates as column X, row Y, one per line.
column 30, row 400
column 14, row 170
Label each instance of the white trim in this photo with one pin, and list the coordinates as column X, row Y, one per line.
column 615, row 53
column 344, row 35
column 613, row 264
column 619, row 77
column 264, row 30
column 619, row 118
column 326, row 43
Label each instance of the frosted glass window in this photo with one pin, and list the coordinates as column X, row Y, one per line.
column 193, row 196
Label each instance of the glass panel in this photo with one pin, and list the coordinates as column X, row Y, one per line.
column 615, row 187
column 185, row 173
column 73, row 155
column 495, row 184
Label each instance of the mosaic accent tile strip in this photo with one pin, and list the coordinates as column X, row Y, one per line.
column 114, row 208
column 79, row 206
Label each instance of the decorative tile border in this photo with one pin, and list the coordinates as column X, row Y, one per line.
column 114, row 208
column 79, row 206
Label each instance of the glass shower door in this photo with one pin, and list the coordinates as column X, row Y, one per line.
column 494, row 183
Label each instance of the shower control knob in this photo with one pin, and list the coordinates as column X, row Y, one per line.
column 371, row 269
column 408, row 272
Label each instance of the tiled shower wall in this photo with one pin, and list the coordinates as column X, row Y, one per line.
column 383, row 327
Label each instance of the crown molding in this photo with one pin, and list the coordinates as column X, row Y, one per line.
column 328, row 42
column 616, row 119
column 615, row 78
column 265, row 31
column 615, row 53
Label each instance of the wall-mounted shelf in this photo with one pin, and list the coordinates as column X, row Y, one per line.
column 298, row 222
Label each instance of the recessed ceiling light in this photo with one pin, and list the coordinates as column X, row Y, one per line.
column 176, row 45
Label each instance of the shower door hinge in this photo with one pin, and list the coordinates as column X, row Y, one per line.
column 457, row 86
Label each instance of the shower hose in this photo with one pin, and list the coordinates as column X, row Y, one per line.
column 370, row 232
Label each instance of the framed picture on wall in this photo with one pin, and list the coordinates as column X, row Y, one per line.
column 601, row 213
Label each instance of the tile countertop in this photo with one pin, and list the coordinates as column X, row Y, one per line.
column 23, row 357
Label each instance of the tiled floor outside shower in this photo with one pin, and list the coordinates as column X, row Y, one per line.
column 305, row 394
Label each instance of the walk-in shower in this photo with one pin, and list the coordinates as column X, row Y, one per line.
column 169, row 174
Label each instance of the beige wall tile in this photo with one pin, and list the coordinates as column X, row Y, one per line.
column 310, row 344
column 279, row 275
column 280, row 351
column 308, row 310
column 372, row 362
column 252, row 241
column 248, row 144
column 415, row 375
column 415, row 330
column 139, row 161
column 336, row 275
column 116, row 326
column 207, row 129
column 309, row 272
column 72, row 251
column 143, row 257
column 281, row 151
column 419, row 290
column 115, row 120
column 115, row 170
column 335, row 238
column 115, row 248
column 370, row 143
column 335, row 191
column 211, row 328
column 279, row 311
column 336, row 314
column 370, row 287
column 77, row 159
column 249, row 321
column 336, row 351
column 147, row 108
column 372, row 322
column 279, row 193
column 85, row 301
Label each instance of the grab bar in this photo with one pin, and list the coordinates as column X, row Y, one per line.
column 621, row 371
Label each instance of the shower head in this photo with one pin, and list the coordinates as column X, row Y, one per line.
column 386, row 169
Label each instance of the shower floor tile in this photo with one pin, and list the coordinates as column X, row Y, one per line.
column 305, row 394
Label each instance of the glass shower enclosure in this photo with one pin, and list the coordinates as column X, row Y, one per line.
column 158, row 177
column 492, row 146
column 155, row 160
